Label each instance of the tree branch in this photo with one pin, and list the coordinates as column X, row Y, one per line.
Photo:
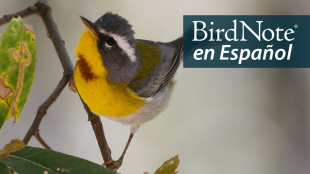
column 44, row 107
column 98, row 130
column 45, row 13
column 23, row 13
column 41, row 141
column 43, row 10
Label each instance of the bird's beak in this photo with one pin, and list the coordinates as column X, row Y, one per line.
column 91, row 28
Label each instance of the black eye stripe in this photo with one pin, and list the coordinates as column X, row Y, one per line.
column 110, row 41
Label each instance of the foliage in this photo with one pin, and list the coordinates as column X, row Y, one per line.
column 17, row 68
column 14, row 145
column 32, row 160
column 169, row 166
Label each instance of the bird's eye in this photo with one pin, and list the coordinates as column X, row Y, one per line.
column 110, row 42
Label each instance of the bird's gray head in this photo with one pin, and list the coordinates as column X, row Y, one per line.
column 117, row 46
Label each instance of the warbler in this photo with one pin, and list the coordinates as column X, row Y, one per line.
column 122, row 78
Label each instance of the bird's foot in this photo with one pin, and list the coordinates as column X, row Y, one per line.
column 113, row 165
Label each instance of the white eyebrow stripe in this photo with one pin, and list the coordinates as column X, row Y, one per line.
column 121, row 41
column 123, row 44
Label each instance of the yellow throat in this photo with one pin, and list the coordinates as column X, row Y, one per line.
column 103, row 97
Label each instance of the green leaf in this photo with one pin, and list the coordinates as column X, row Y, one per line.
column 4, row 169
column 32, row 160
column 169, row 166
column 14, row 145
column 17, row 68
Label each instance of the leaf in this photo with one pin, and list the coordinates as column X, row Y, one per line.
column 17, row 68
column 14, row 145
column 4, row 169
column 169, row 166
column 32, row 160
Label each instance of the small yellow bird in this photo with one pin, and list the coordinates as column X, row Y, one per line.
column 121, row 78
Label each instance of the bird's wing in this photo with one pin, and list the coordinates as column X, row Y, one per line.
column 160, row 62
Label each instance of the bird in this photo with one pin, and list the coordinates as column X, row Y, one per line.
column 124, row 79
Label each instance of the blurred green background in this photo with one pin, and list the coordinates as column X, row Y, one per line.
column 220, row 121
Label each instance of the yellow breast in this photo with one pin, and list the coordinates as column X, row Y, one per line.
column 102, row 96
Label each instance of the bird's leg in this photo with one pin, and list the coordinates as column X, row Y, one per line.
column 115, row 165
column 126, row 147
column 133, row 130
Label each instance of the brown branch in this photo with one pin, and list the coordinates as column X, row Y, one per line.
column 99, row 133
column 44, row 107
column 42, row 9
column 23, row 13
column 45, row 13
column 41, row 141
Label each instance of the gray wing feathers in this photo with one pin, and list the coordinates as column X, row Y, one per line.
column 171, row 54
column 174, row 65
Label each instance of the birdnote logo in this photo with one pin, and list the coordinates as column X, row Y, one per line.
column 246, row 41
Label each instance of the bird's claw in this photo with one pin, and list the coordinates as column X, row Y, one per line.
column 113, row 165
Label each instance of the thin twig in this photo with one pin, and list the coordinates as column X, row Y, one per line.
column 23, row 13
column 52, row 31
column 42, row 9
column 99, row 132
column 41, row 141
column 44, row 107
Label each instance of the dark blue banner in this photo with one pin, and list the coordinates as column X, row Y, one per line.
column 246, row 41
